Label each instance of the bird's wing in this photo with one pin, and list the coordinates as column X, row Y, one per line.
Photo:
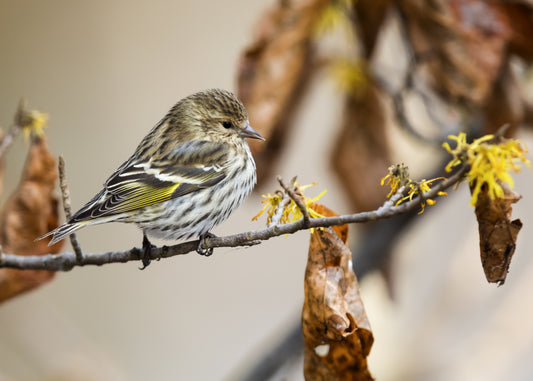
column 137, row 184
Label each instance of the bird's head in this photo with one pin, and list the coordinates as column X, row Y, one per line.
column 215, row 115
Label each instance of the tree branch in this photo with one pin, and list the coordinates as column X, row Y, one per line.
column 297, row 198
column 7, row 140
column 65, row 195
column 67, row 261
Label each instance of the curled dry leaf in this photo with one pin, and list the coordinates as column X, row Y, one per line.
column 337, row 333
column 271, row 70
column 31, row 211
column 497, row 233
column 362, row 151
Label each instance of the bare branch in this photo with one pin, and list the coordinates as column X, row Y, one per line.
column 65, row 195
column 296, row 198
column 67, row 261
column 8, row 139
column 398, row 102
column 429, row 98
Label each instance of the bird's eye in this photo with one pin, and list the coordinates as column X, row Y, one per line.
column 227, row 124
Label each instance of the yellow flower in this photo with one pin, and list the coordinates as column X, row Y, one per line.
column 291, row 212
column 350, row 76
column 490, row 162
column 335, row 15
column 418, row 189
column 271, row 202
column 398, row 177
column 34, row 122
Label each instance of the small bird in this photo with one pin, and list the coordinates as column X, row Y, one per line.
column 191, row 171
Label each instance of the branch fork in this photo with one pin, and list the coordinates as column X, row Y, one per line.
column 295, row 195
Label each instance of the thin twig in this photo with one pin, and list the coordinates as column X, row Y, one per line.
column 408, row 85
column 297, row 199
column 392, row 200
column 67, row 261
column 19, row 120
column 9, row 138
column 65, row 195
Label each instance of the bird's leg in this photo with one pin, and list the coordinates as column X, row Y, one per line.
column 147, row 252
column 200, row 250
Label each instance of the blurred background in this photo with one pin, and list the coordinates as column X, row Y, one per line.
column 107, row 71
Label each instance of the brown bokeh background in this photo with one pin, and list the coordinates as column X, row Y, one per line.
column 106, row 72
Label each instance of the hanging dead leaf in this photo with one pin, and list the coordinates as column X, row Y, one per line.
column 370, row 17
column 362, row 151
column 271, row 73
column 340, row 230
column 506, row 105
column 337, row 333
column 520, row 16
column 30, row 212
column 464, row 43
column 497, row 233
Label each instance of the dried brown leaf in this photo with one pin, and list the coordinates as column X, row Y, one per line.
column 508, row 103
column 340, row 230
column 361, row 154
column 370, row 16
column 31, row 211
column 271, row 71
column 520, row 18
column 337, row 333
column 505, row 105
column 464, row 41
column 497, row 233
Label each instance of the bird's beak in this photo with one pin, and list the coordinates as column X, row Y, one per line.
column 249, row 132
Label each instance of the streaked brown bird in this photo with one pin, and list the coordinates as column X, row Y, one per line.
column 191, row 171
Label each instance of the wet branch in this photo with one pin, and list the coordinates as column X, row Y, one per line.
column 67, row 261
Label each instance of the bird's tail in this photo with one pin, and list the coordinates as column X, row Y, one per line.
column 63, row 231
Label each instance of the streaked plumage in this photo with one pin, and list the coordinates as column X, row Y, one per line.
column 186, row 176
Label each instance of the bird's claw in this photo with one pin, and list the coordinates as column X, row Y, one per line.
column 200, row 249
column 147, row 253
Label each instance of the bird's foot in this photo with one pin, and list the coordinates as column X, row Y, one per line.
column 147, row 252
column 200, row 250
